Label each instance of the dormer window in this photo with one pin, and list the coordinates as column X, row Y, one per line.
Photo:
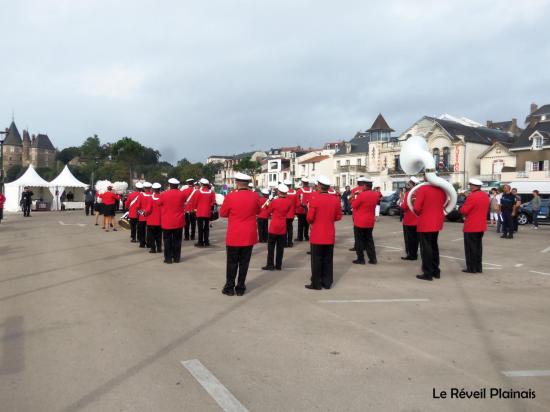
column 537, row 142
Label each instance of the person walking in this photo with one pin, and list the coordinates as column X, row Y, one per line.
column 89, row 197
column 323, row 211
column 346, row 209
column 131, row 205
column 263, row 216
column 26, row 201
column 410, row 220
column 278, row 210
column 2, row 201
column 240, row 207
column 302, row 198
column 203, row 201
column 142, row 203
column 516, row 208
column 364, row 217
column 291, row 196
column 109, row 199
column 507, row 206
column 474, row 210
column 535, row 207
column 494, row 207
column 190, row 215
column 152, row 212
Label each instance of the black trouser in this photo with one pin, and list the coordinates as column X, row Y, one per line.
column 473, row 249
column 321, row 266
column 26, row 209
column 411, row 241
column 429, row 251
column 172, row 244
column 279, row 241
column 515, row 220
column 203, row 224
column 262, row 229
column 238, row 258
column 190, row 223
column 142, row 233
column 154, row 238
column 89, row 208
column 133, row 227
column 303, row 227
column 289, row 232
column 507, row 223
column 364, row 241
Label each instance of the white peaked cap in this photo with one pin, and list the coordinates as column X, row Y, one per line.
column 415, row 180
column 265, row 191
column 139, row 185
column 305, row 180
column 323, row 180
column 156, row 185
column 189, row 180
column 250, row 184
column 282, row 188
column 147, row 184
column 363, row 179
column 204, row 181
column 287, row 182
column 242, row 176
column 173, row 181
column 475, row 182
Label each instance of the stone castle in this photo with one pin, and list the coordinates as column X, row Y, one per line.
column 37, row 150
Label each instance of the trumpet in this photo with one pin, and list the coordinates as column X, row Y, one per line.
column 269, row 200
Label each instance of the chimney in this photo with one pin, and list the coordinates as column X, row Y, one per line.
column 490, row 124
column 514, row 124
column 534, row 107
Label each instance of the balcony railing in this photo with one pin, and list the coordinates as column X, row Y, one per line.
column 396, row 172
column 488, row 178
column 522, row 174
column 351, row 168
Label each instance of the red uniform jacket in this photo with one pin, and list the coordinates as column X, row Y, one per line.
column 241, row 208
column 171, row 205
column 203, row 200
column 429, row 208
column 2, row 200
column 291, row 196
column 409, row 218
column 143, row 204
column 278, row 209
column 475, row 210
column 364, row 207
column 152, row 210
column 131, row 205
column 109, row 198
column 190, row 196
column 264, row 211
column 323, row 211
column 302, row 199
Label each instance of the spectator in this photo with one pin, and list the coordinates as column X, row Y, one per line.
column 535, row 207
column 2, row 200
column 507, row 207
column 70, row 197
column 345, row 201
column 89, row 196
column 516, row 207
column 26, row 201
column 494, row 214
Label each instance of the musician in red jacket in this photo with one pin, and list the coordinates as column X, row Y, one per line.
column 323, row 211
column 240, row 208
column 2, row 201
column 364, row 207
column 152, row 212
column 109, row 199
column 278, row 211
column 291, row 196
column 409, row 223
column 428, row 205
column 361, row 181
column 190, row 215
column 203, row 201
column 302, row 198
column 172, row 220
column 263, row 217
column 142, row 203
column 474, row 210
column 131, row 206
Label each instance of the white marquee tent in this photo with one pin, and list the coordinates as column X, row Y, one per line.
column 13, row 190
column 64, row 180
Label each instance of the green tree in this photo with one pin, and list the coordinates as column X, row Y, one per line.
column 14, row 172
column 68, row 154
column 248, row 166
column 128, row 152
column 92, row 149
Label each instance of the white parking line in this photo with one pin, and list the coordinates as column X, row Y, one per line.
column 390, row 247
column 518, row 265
column 545, row 250
column 540, row 273
column 527, row 373
column 456, row 240
column 456, row 258
column 373, row 300
column 213, row 386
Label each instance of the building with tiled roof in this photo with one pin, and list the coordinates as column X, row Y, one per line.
column 37, row 150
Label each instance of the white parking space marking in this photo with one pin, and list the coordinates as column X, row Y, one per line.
column 545, row 250
column 456, row 240
column 390, row 247
column 527, row 373
column 540, row 273
column 518, row 265
column 213, row 386
column 493, row 268
column 456, row 258
column 374, row 300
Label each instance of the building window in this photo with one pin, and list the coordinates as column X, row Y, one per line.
column 338, row 163
column 347, row 162
column 358, row 162
column 313, row 166
column 538, row 166
column 446, row 157
column 303, row 169
column 436, row 156
column 537, row 142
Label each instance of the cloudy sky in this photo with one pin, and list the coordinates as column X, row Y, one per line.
column 194, row 78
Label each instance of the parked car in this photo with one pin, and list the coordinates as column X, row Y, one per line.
column 525, row 213
column 454, row 215
column 389, row 204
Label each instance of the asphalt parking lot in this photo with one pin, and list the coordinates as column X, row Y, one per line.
column 90, row 322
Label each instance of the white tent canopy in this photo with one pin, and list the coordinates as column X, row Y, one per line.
column 65, row 179
column 14, row 189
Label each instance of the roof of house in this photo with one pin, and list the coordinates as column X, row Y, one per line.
column 380, row 124
column 359, row 144
column 26, row 136
column 539, row 112
column 315, row 159
column 481, row 135
column 506, row 145
column 42, row 141
column 523, row 139
column 13, row 138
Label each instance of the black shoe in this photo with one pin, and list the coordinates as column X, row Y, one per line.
column 408, row 258
column 312, row 287
column 167, row 261
column 278, row 268
column 228, row 292
column 186, row 238
column 307, row 239
column 199, row 245
column 97, row 224
column 309, row 252
column 192, row 237
column 424, row 277
column 133, row 241
column 503, row 237
column 438, row 276
column 352, row 249
column 326, row 287
column 152, row 251
column 359, row 261
column 510, row 237
column 290, row 245
column 268, row 268
column 176, row 261
column 298, row 240
column 468, row 271
column 142, row 246
column 373, row 262
column 239, row 292
column 159, row 250
column 206, row 245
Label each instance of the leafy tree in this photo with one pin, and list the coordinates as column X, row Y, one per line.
column 47, row 173
column 128, row 152
column 14, row 172
column 68, row 154
column 248, row 166
column 92, row 149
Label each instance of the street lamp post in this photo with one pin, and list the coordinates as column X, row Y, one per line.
column 2, row 160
